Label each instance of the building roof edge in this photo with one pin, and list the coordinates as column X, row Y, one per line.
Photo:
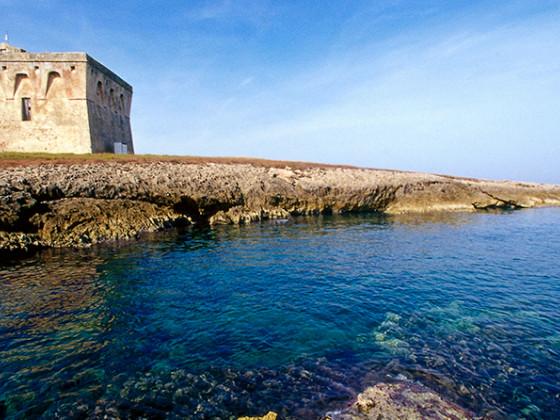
column 93, row 62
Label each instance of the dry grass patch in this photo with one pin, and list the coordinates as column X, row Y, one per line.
column 35, row 159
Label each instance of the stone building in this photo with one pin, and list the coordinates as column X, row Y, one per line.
column 62, row 103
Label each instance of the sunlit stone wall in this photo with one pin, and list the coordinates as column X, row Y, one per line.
column 62, row 103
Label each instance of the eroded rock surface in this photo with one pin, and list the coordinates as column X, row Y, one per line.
column 269, row 416
column 401, row 401
column 84, row 204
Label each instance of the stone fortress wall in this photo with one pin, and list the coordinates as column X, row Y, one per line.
column 109, row 103
column 62, row 103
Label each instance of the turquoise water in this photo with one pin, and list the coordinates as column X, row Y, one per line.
column 295, row 317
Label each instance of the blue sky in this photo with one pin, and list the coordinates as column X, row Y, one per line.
column 467, row 88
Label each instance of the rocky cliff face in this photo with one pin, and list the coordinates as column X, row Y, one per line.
column 83, row 204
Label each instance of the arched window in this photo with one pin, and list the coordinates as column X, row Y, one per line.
column 53, row 77
column 122, row 103
column 20, row 78
column 112, row 98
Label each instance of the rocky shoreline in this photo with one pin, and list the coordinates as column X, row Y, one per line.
column 81, row 204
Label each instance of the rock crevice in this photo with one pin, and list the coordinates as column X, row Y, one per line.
column 499, row 203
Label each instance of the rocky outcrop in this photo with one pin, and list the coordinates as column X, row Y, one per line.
column 401, row 401
column 269, row 416
column 80, row 204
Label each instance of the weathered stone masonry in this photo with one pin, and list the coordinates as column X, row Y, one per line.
column 62, row 103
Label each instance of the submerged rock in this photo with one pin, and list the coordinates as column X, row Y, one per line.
column 401, row 401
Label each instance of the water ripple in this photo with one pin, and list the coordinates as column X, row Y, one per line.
column 295, row 318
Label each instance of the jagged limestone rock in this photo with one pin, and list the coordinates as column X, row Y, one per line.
column 269, row 416
column 88, row 221
column 401, row 401
column 60, row 205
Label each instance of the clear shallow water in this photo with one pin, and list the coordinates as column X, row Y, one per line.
column 295, row 318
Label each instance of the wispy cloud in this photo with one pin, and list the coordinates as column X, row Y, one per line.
column 429, row 103
column 246, row 82
column 230, row 12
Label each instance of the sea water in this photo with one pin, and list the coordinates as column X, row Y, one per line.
column 294, row 316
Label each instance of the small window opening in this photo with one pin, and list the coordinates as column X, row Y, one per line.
column 26, row 109
column 100, row 91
